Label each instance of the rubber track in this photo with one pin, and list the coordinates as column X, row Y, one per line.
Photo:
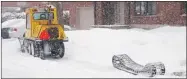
column 125, row 63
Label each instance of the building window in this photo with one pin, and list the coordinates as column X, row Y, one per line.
column 145, row 8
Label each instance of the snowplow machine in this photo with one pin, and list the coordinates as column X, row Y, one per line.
column 44, row 36
column 125, row 63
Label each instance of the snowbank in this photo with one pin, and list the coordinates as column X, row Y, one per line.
column 13, row 15
column 170, row 29
column 89, row 54
column 14, row 23
column 67, row 27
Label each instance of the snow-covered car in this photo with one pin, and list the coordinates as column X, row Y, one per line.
column 13, row 28
column 67, row 28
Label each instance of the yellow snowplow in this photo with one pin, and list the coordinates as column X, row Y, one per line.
column 44, row 36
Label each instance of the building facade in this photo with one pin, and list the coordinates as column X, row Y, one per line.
column 141, row 14
column 135, row 14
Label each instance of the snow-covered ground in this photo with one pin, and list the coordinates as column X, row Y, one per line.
column 89, row 54
column 14, row 23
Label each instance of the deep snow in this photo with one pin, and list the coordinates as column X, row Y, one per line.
column 89, row 54
column 14, row 23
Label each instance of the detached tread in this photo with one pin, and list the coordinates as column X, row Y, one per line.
column 125, row 63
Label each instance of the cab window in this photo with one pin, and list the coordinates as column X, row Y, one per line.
column 43, row 16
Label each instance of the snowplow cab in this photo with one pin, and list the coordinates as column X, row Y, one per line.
column 42, row 23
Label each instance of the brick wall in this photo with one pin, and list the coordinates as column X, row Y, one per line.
column 166, row 13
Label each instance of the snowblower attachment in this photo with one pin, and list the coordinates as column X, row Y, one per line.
column 125, row 63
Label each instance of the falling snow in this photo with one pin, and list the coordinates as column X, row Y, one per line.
column 89, row 52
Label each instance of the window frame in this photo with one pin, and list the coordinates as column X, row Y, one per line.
column 147, row 7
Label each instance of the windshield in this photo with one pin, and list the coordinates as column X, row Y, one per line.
column 43, row 16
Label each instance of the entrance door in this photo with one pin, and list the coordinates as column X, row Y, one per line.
column 85, row 17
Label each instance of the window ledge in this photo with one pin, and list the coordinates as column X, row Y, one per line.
column 183, row 14
column 146, row 16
